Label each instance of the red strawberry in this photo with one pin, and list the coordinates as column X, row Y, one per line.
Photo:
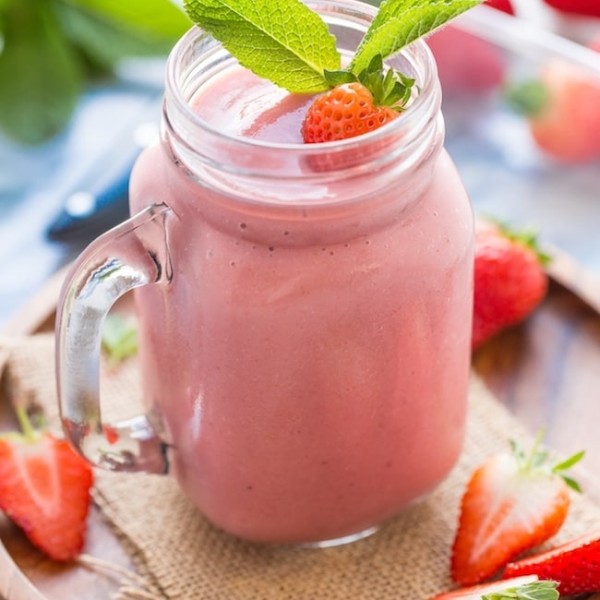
column 568, row 126
column 356, row 104
column 517, row 587
column 344, row 112
column 466, row 63
column 45, row 490
column 579, row 7
column 575, row 565
column 512, row 502
column 509, row 280
column 562, row 110
column 503, row 5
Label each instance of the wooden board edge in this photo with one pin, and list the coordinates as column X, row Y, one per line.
column 564, row 269
column 14, row 584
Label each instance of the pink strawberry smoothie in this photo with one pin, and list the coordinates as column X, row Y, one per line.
column 316, row 384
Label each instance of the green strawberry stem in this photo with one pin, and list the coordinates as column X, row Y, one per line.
column 536, row 462
column 388, row 86
column 536, row 590
column 528, row 98
column 535, row 456
column 29, row 433
column 527, row 237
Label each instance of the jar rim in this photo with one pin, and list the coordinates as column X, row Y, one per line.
column 422, row 105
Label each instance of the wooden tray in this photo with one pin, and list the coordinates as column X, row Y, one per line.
column 545, row 371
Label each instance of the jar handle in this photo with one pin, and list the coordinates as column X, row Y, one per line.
column 131, row 255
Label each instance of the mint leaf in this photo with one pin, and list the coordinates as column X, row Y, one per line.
column 40, row 75
column 400, row 22
column 335, row 78
column 111, row 31
column 280, row 40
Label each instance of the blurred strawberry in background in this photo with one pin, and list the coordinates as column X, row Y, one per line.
column 466, row 63
column 562, row 107
column 589, row 8
column 577, row 7
column 503, row 5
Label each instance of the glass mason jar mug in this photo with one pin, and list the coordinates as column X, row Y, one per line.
column 304, row 310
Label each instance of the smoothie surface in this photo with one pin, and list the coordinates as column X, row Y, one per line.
column 255, row 108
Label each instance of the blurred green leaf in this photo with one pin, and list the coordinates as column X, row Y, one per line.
column 159, row 18
column 108, row 31
column 119, row 337
column 47, row 47
column 40, row 75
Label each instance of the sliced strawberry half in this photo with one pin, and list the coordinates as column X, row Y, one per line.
column 45, row 490
column 513, row 502
column 574, row 565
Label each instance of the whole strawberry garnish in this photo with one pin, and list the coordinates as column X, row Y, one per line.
column 512, row 502
column 509, row 280
column 574, row 565
column 359, row 105
column 517, row 588
column 344, row 112
column 287, row 43
column 45, row 490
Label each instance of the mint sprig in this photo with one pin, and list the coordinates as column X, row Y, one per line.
column 287, row 43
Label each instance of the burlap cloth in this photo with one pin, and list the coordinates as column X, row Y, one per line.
column 181, row 556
